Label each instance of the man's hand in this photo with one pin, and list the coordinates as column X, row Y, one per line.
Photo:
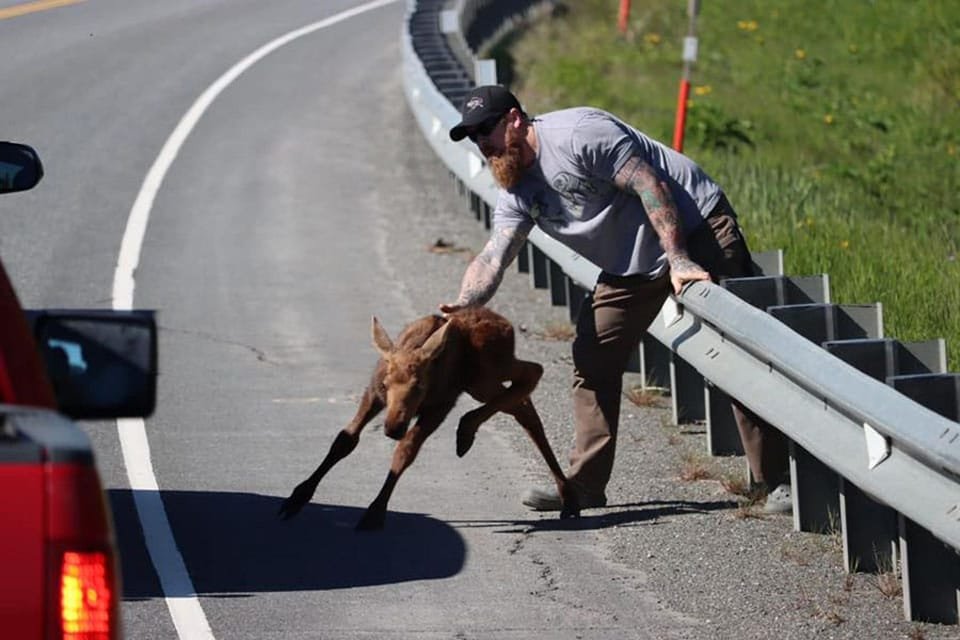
column 684, row 270
column 485, row 271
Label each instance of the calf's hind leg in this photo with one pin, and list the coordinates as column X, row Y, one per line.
column 526, row 414
column 523, row 377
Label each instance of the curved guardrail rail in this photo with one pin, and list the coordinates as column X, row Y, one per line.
column 860, row 449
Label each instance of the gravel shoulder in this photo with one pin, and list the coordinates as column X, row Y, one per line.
column 704, row 552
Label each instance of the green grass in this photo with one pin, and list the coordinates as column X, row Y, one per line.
column 833, row 125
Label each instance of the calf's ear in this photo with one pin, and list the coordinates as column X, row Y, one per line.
column 436, row 342
column 381, row 340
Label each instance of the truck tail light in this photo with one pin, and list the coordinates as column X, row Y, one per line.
column 86, row 596
column 84, row 585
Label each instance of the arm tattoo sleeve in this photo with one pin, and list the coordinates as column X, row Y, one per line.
column 639, row 178
column 485, row 272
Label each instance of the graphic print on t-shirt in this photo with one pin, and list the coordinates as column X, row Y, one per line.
column 574, row 191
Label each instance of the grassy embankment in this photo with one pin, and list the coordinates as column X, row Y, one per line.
column 833, row 125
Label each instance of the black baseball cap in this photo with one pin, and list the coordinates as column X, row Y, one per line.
column 481, row 104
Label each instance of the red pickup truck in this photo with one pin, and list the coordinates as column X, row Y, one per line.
column 60, row 572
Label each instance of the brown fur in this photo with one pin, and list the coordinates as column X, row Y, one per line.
column 420, row 376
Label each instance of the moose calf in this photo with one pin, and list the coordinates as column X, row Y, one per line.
column 420, row 376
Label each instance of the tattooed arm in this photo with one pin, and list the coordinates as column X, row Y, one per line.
column 485, row 271
column 639, row 178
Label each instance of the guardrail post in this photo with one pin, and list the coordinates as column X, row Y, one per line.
column 816, row 501
column 815, row 492
column 523, row 258
column 686, row 385
column 930, row 569
column 869, row 531
column 558, row 284
column 938, row 392
column 870, row 528
column 576, row 296
column 926, row 355
column 485, row 72
column 723, row 437
column 931, row 576
column 768, row 263
column 476, row 205
column 822, row 322
column 768, row 291
column 654, row 363
column 538, row 267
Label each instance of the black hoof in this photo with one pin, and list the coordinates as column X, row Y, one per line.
column 464, row 442
column 371, row 522
column 297, row 500
column 567, row 514
column 289, row 508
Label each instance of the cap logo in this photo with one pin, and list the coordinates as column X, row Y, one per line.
column 476, row 102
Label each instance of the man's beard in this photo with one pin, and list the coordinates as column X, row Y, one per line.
column 507, row 168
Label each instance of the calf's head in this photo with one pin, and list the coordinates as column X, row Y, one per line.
column 407, row 376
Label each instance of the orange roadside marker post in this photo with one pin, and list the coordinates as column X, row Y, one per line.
column 624, row 16
column 689, row 57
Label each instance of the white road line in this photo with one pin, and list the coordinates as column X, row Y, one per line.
column 188, row 616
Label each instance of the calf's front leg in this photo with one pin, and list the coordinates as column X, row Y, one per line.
column 343, row 445
column 403, row 456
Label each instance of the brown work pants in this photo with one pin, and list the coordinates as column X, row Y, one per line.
column 609, row 329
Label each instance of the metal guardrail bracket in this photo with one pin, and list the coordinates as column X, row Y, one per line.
column 878, row 446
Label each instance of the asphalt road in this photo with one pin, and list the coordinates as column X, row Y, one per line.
column 269, row 246
column 302, row 202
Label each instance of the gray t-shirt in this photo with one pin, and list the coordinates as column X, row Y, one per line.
column 569, row 191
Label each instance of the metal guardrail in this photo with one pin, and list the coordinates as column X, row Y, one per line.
column 860, row 449
column 822, row 403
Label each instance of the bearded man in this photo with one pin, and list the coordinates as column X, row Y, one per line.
column 648, row 216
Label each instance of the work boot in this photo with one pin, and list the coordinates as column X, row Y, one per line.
column 548, row 499
column 780, row 500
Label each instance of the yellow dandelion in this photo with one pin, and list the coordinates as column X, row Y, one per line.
column 828, row 118
column 799, row 54
column 844, row 244
column 747, row 25
column 703, row 90
column 652, row 39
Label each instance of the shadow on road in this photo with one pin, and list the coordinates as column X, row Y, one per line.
column 635, row 513
column 234, row 544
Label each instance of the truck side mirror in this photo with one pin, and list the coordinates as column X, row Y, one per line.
column 101, row 363
column 20, row 167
